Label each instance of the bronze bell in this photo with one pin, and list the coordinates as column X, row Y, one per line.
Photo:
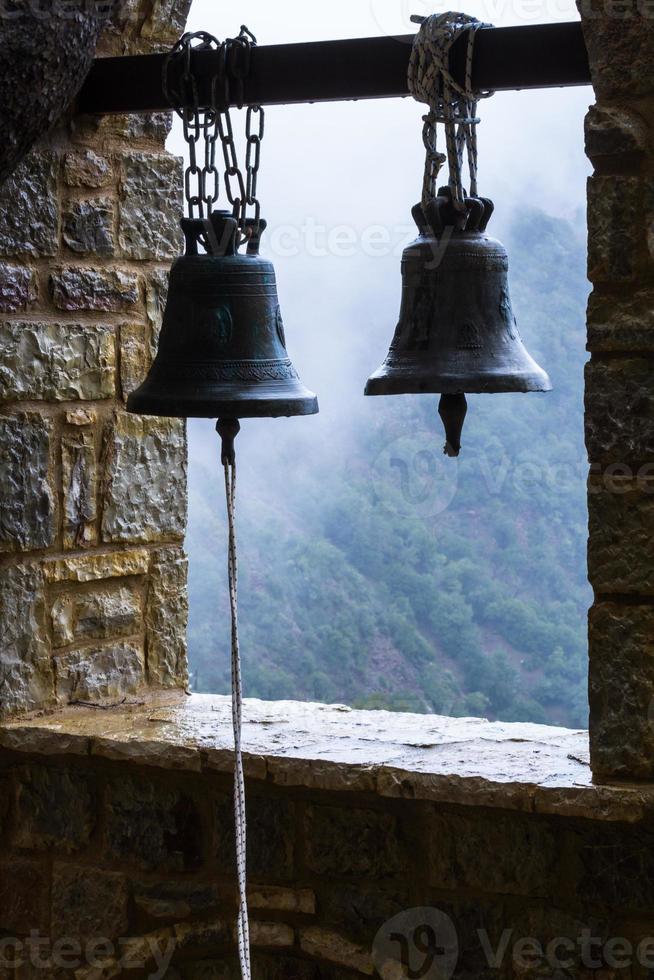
column 222, row 351
column 456, row 332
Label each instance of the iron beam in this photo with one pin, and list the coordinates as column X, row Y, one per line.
column 534, row 56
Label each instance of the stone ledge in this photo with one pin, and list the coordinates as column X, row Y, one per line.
column 464, row 761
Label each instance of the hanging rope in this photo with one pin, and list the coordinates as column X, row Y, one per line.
column 228, row 430
column 430, row 80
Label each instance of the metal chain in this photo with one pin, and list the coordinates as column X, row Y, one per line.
column 210, row 123
column 431, row 81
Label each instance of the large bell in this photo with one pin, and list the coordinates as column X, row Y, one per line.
column 222, row 351
column 456, row 332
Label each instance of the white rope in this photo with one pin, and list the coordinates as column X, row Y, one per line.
column 431, row 81
column 237, row 721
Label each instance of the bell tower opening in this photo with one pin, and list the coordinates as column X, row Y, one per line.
column 374, row 570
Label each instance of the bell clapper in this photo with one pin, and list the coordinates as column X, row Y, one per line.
column 228, row 429
column 452, row 410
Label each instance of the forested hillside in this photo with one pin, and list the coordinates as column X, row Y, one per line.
column 378, row 573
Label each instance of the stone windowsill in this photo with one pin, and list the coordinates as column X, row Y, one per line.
column 465, row 761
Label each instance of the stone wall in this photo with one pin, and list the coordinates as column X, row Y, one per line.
column 93, row 504
column 123, row 862
column 619, row 405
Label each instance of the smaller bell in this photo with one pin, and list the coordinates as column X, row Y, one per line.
column 222, row 350
column 456, row 332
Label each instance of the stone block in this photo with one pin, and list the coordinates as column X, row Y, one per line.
column 506, row 855
column 621, row 536
column 619, row 228
column 94, row 289
column 25, row 664
column 619, row 418
column 88, row 227
column 617, row 132
column 27, row 506
column 620, row 42
column 166, row 619
column 152, row 827
column 91, row 568
column 23, row 895
column 156, row 297
column 54, row 809
column 271, row 836
column 87, row 169
column 144, row 495
column 621, row 323
column 134, row 357
column 79, row 482
column 151, row 206
column 166, row 20
column 56, row 362
column 621, row 690
column 28, row 208
column 17, row 287
column 342, row 841
column 175, row 899
column 202, row 935
column 153, row 126
column 359, row 910
column 327, row 945
column 100, row 673
column 88, row 903
column 616, row 867
column 100, row 614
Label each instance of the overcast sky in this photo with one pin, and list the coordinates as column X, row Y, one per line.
column 359, row 165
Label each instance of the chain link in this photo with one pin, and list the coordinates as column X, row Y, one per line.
column 211, row 123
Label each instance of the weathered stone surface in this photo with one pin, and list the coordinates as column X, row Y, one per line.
column 86, row 169
column 149, row 126
column 620, row 42
column 156, row 297
column 151, row 206
column 54, row 809
column 100, row 614
column 166, row 619
column 330, row 946
column 144, row 495
column 166, row 20
column 26, row 679
column 470, row 852
column 272, row 934
column 278, row 899
column 621, row 536
column 88, row 903
column 134, row 357
column 28, row 208
column 100, row 673
column 621, row 689
column 151, row 826
column 345, row 842
column 202, row 934
column 619, row 410
column 621, row 323
column 358, row 909
column 90, row 568
column 94, row 289
column 23, row 895
column 27, row 508
column 615, row 131
column 88, row 227
column 175, row 899
column 617, row 868
column 17, row 287
column 79, row 482
column 271, row 831
column 56, row 362
column 619, row 217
